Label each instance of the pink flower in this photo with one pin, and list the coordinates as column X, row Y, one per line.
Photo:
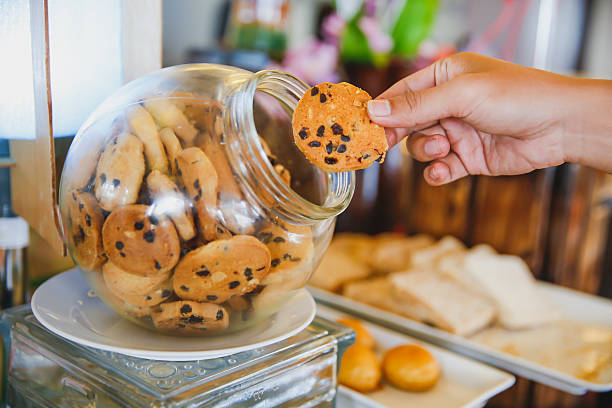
column 379, row 41
column 333, row 26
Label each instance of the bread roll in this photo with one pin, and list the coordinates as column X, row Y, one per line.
column 411, row 367
column 360, row 369
column 364, row 337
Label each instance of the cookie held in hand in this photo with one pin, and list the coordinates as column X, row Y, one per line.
column 332, row 128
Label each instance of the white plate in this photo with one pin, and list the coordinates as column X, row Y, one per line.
column 63, row 305
column 464, row 382
column 576, row 305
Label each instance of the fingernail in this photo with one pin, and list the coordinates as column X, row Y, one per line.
column 433, row 173
column 379, row 107
column 432, row 147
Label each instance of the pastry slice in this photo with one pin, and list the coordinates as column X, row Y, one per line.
column 450, row 306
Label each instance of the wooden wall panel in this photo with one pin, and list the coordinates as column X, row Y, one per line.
column 33, row 185
column 440, row 210
column 511, row 214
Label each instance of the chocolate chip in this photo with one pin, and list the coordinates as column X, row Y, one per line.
column 211, row 297
column 314, row 143
column 119, row 245
column 185, row 288
column 345, row 138
column 248, row 273
column 286, row 256
column 303, row 134
column 234, row 284
column 219, row 314
column 320, row 131
column 323, row 98
column 341, row 148
column 166, row 293
column 331, row 160
column 139, row 225
column 116, row 182
column 103, row 178
column 275, row 262
column 149, row 297
column 203, row 272
column 157, row 265
column 195, row 319
column 278, row 240
column 122, row 254
column 265, row 237
column 337, row 129
column 185, row 309
column 380, row 158
column 81, row 206
column 329, row 148
column 88, row 220
column 154, row 220
column 261, row 269
column 314, row 91
column 149, row 236
column 365, row 156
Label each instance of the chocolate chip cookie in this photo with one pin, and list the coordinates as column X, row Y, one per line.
column 191, row 317
column 172, row 146
column 141, row 291
column 289, row 244
column 168, row 115
column 332, row 128
column 139, row 241
column 201, row 183
column 120, row 171
column 144, row 127
column 221, row 269
column 167, row 196
column 85, row 221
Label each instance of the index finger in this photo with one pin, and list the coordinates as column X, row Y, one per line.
column 418, row 81
column 441, row 71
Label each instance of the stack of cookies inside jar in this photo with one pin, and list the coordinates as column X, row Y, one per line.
column 149, row 224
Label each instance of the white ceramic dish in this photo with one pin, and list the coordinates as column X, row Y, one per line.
column 464, row 382
column 575, row 305
column 64, row 305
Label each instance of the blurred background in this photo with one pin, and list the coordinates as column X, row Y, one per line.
column 558, row 219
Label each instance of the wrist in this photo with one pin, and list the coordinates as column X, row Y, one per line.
column 587, row 125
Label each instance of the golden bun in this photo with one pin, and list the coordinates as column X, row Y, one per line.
column 360, row 369
column 364, row 337
column 411, row 367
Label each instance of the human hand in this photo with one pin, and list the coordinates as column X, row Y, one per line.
column 470, row 114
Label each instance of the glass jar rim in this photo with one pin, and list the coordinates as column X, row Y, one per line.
column 288, row 90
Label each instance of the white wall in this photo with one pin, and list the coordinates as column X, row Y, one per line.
column 187, row 24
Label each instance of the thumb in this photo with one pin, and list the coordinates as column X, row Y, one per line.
column 419, row 109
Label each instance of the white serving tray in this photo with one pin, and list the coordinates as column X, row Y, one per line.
column 575, row 305
column 464, row 382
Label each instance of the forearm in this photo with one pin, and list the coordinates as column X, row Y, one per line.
column 588, row 129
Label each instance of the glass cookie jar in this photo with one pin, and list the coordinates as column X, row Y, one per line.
column 186, row 204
